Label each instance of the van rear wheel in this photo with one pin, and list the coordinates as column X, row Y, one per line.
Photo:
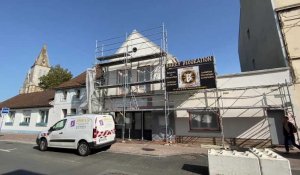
column 43, row 144
column 83, row 149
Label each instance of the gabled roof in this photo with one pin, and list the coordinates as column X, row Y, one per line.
column 30, row 100
column 78, row 81
column 143, row 46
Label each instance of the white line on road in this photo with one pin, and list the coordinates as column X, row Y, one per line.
column 7, row 150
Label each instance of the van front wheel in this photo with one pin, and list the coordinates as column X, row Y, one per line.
column 43, row 144
column 83, row 149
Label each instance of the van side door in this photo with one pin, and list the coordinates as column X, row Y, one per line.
column 56, row 136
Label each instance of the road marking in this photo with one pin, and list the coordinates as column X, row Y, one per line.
column 7, row 150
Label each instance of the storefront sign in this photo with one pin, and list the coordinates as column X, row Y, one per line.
column 191, row 74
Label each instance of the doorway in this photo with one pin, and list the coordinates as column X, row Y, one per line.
column 138, row 125
column 275, row 123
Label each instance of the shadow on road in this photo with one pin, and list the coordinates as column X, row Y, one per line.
column 59, row 150
column 203, row 170
column 21, row 172
column 70, row 151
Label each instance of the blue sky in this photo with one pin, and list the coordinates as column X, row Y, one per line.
column 196, row 28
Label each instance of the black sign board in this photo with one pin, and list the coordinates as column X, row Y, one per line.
column 191, row 74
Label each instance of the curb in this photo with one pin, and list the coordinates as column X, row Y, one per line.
column 17, row 141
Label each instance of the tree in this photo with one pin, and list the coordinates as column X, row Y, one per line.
column 55, row 77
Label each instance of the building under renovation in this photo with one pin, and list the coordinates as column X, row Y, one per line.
column 154, row 96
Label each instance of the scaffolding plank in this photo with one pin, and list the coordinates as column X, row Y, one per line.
column 135, row 95
column 118, row 55
column 192, row 108
column 130, row 60
column 131, row 84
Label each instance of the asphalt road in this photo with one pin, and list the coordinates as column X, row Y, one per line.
column 19, row 158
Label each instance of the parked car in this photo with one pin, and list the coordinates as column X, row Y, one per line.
column 82, row 132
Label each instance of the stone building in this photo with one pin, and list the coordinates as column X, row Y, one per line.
column 40, row 67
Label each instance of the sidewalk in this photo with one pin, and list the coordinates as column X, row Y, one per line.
column 155, row 149
column 128, row 147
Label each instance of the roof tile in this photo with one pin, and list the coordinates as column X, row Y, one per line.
column 29, row 100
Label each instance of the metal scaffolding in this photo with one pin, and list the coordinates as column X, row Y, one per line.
column 127, row 59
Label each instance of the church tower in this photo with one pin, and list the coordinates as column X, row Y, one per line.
column 40, row 67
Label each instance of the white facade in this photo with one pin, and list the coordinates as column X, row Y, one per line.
column 66, row 102
column 28, row 120
column 243, row 105
column 69, row 102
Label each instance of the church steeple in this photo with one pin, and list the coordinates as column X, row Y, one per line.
column 39, row 68
column 42, row 59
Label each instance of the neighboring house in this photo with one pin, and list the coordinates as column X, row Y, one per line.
column 29, row 113
column 40, row 67
column 70, row 97
column 36, row 111
column 269, row 38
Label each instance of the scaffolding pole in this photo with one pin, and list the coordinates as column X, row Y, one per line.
column 218, row 106
column 292, row 108
column 126, row 59
column 165, row 86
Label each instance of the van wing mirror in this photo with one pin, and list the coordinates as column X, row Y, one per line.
column 50, row 129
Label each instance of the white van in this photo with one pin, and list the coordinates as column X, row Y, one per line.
column 82, row 132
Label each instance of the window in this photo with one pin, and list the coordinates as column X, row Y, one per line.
column 204, row 120
column 248, row 33
column 144, row 74
column 64, row 112
column 128, row 121
column 122, row 79
column 119, row 121
column 59, row 125
column 77, row 94
column 65, row 93
column 26, row 118
column 11, row 118
column 73, row 111
column 83, row 111
column 43, row 120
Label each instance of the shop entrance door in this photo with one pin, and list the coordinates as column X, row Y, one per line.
column 141, row 126
column 138, row 125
